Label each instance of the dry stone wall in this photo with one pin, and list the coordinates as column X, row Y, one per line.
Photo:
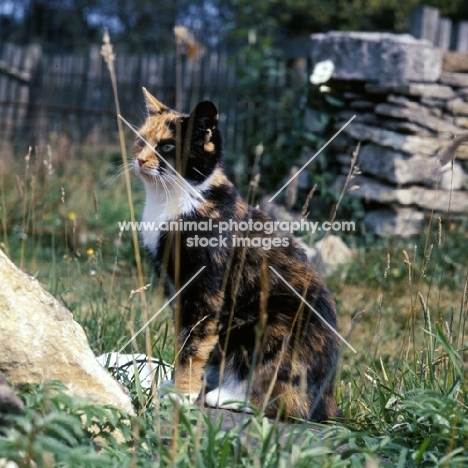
column 408, row 110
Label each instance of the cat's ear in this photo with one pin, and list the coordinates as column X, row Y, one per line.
column 207, row 113
column 153, row 106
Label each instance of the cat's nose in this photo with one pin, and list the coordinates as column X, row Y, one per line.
column 141, row 162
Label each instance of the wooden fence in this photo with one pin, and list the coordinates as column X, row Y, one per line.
column 427, row 23
column 44, row 97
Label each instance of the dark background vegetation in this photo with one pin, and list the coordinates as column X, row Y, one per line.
column 146, row 25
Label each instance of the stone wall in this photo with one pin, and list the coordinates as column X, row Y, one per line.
column 408, row 110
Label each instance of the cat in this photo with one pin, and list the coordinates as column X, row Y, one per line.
column 243, row 334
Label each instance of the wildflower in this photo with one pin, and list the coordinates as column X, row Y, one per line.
column 322, row 72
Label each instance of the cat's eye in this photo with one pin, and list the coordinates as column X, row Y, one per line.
column 167, row 148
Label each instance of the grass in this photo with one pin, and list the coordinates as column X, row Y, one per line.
column 404, row 393
column 402, row 302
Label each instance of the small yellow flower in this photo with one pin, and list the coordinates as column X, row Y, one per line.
column 90, row 251
column 71, row 215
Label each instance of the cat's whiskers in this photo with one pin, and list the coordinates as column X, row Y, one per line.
column 176, row 184
column 119, row 173
column 165, row 187
column 201, row 173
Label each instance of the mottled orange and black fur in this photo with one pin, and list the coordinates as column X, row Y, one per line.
column 243, row 334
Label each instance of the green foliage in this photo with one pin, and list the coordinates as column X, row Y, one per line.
column 143, row 26
column 272, row 122
column 291, row 18
column 59, row 430
column 404, row 395
column 410, row 419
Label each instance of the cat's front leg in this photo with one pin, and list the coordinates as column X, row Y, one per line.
column 196, row 342
column 167, row 390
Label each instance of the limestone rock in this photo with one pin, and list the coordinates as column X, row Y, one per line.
column 415, row 115
column 406, row 59
column 428, row 199
column 382, row 57
column 462, row 92
column 402, row 222
column 453, row 177
column 399, row 169
column 345, row 50
column 407, row 102
column 409, row 144
column 39, row 340
column 461, row 122
column 405, row 127
column 389, row 139
column 329, row 254
column 432, row 103
column 458, row 80
column 361, row 105
column 434, row 91
column 455, row 62
column 458, row 107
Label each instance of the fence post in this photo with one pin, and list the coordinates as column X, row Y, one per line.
column 462, row 37
column 31, row 66
column 425, row 23
column 444, row 34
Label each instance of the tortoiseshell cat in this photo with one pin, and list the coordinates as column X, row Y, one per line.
column 244, row 335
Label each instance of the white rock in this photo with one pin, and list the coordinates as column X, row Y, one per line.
column 453, row 177
column 439, row 200
column 377, row 57
column 402, row 222
column 409, row 144
column 397, row 168
column 458, row 80
column 329, row 255
column 39, row 340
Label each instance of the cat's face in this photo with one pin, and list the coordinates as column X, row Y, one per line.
column 190, row 144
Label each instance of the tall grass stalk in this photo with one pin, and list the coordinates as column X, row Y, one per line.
column 109, row 58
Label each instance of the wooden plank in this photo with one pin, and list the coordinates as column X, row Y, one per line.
column 228, row 109
column 3, row 94
column 94, row 77
column 79, row 70
column 15, row 73
column 242, row 116
column 462, row 36
column 30, row 66
column 185, row 73
column 151, row 79
column 425, row 23
column 168, row 82
column 444, row 34
column 15, row 58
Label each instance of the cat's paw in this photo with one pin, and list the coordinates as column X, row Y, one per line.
column 167, row 389
column 228, row 399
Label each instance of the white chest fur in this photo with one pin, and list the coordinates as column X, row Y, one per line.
column 168, row 203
